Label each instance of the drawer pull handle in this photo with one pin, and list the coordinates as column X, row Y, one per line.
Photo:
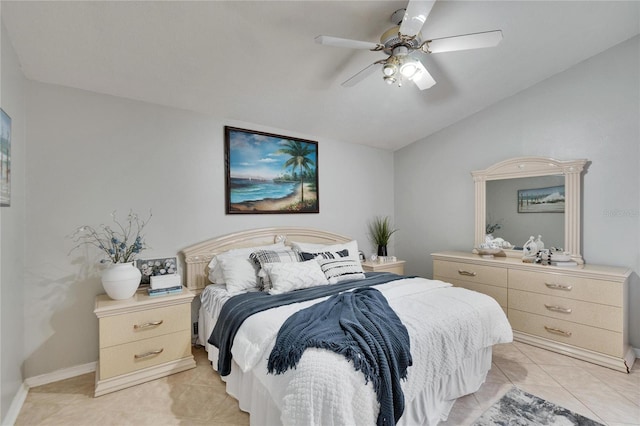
column 559, row 286
column 147, row 324
column 557, row 331
column 466, row 273
column 558, row 309
column 148, row 354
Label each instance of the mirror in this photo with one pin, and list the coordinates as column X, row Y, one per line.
column 524, row 197
column 514, row 209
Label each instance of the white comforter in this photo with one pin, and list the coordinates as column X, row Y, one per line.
column 447, row 325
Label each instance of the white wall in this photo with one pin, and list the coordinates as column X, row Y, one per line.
column 589, row 111
column 90, row 154
column 12, row 229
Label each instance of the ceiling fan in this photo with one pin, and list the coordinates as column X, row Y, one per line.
column 404, row 45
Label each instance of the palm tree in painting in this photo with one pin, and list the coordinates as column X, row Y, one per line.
column 299, row 153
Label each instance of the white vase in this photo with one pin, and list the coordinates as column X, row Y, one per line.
column 121, row 280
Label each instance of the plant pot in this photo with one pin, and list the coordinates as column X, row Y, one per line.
column 121, row 280
column 382, row 250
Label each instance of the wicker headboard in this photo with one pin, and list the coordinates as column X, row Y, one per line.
column 198, row 256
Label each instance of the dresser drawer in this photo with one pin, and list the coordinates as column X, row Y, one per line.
column 578, row 311
column 469, row 272
column 143, row 324
column 579, row 335
column 564, row 285
column 128, row 357
column 498, row 293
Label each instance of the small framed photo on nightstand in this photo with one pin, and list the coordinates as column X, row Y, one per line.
column 154, row 267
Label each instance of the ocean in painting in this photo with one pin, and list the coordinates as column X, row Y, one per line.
column 255, row 190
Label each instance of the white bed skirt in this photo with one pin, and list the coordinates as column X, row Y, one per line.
column 429, row 408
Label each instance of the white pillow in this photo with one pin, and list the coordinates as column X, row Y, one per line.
column 352, row 246
column 239, row 274
column 293, row 276
column 341, row 269
column 215, row 271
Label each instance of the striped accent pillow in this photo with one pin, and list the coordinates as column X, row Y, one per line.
column 263, row 257
column 341, row 269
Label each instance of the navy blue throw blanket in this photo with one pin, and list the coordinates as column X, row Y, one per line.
column 361, row 326
column 240, row 307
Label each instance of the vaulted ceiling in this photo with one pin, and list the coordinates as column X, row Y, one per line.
column 256, row 61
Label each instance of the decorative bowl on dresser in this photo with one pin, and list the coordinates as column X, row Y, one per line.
column 142, row 338
column 579, row 311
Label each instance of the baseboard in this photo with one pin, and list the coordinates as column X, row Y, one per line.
column 62, row 374
column 637, row 352
column 16, row 405
column 43, row 379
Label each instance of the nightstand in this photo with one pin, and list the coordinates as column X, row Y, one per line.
column 142, row 338
column 396, row 267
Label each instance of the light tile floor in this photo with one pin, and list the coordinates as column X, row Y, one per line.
column 197, row 396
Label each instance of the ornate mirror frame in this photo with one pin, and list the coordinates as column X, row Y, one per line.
column 522, row 167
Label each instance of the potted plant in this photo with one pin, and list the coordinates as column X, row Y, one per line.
column 121, row 244
column 380, row 231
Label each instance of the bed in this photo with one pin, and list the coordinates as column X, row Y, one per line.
column 451, row 331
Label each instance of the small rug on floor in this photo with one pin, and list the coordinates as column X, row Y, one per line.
column 518, row 408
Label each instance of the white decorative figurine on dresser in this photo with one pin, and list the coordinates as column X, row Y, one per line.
column 581, row 311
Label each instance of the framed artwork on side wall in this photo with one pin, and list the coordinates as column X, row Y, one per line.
column 267, row 173
column 5, row 159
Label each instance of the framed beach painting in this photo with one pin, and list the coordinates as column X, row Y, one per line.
column 267, row 173
column 5, row 159
column 541, row 200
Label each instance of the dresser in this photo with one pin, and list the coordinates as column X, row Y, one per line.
column 580, row 311
column 142, row 338
column 396, row 267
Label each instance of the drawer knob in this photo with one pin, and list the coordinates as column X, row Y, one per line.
column 466, row 273
column 558, row 309
column 557, row 331
column 147, row 324
column 559, row 286
column 148, row 354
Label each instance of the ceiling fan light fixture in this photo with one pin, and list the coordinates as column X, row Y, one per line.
column 409, row 69
column 404, row 46
column 389, row 69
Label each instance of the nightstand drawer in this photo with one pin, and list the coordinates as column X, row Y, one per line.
column 144, row 324
column 448, row 271
column 396, row 267
column 578, row 311
column 122, row 359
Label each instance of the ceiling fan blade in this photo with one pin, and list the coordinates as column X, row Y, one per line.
column 415, row 16
column 423, row 79
column 464, row 42
column 361, row 75
column 343, row 42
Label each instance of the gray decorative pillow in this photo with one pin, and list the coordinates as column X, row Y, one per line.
column 263, row 257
